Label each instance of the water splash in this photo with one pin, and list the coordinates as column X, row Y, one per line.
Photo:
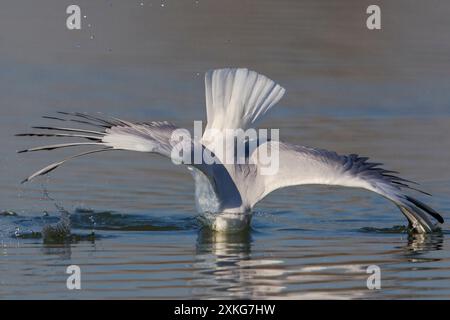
column 8, row 213
column 59, row 231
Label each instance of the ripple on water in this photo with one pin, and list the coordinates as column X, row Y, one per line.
column 66, row 227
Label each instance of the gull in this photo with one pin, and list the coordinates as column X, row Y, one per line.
column 226, row 193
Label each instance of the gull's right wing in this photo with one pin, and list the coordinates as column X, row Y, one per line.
column 299, row 165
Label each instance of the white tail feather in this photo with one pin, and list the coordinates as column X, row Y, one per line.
column 237, row 98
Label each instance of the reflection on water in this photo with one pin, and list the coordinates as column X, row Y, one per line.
column 227, row 267
column 198, row 263
column 425, row 242
column 62, row 250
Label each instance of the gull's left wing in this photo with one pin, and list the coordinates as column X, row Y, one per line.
column 300, row 165
column 115, row 134
column 109, row 134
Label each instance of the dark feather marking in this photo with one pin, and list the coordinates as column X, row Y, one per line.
column 55, row 165
column 389, row 171
column 58, row 135
column 426, row 208
column 59, row 146
column 409, row 187
column 89, row 123
column 53, row 118
column 69, row 130
column 399, row 179
column 89, row 117
column 359, row 165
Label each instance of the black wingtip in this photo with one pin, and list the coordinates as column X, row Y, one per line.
column 426, row 208
column 53, row 118
column 22, row 151
column 424, row 192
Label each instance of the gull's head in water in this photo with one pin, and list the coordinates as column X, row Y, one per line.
column 226, row 221
column 226, row 192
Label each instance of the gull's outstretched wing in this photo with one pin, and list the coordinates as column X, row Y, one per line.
column 110, row 134
column 115, row 134
column 300, row 165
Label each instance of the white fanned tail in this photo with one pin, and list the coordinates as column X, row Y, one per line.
column 237, row 98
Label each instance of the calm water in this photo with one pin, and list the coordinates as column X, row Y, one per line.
column 383, row 94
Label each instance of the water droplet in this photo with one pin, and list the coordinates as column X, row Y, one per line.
column 163, row 5
column 89, row 25
column 92, row 37
column 142, row 3
column 8, row 213
column 85, row 16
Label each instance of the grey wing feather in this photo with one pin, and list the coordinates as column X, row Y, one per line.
column 114, row 134
column 55, row 165
column 299, row 165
